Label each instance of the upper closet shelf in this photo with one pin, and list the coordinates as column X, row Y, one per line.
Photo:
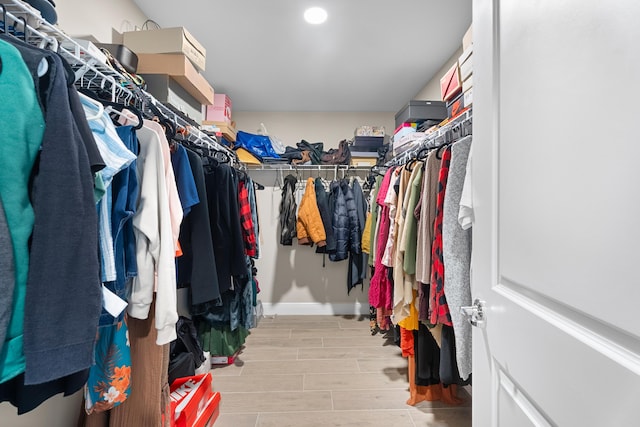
column 286, row 167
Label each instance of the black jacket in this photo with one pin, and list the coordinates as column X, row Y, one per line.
column 352, row 213
column 197, row 265
column 322, row 200
column 346, row 228
column 358, row 260
column 224, row 220
column 315, row 150
column 288, row 209
column 340, row 223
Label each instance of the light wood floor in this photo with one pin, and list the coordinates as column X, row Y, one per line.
column 302, row 371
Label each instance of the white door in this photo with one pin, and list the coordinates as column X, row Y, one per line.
column 556, row 242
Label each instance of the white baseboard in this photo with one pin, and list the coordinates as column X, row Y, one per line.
column 314, row 308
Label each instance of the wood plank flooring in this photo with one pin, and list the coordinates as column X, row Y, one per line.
column 307, row 371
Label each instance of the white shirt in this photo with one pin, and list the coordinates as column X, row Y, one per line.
column 155, row 247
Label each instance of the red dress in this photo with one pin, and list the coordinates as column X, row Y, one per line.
column 379, row 286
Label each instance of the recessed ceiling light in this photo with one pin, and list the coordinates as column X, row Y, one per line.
column 315, row 15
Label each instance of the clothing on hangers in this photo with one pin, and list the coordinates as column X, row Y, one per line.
column 456, row 254
column 288, row 208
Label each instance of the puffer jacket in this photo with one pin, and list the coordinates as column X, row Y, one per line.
column 322, row 198
column 339, row 222
column 309, row 226
column 357, row 257
column 352, row 212
column 345, row 221
column 288, row 209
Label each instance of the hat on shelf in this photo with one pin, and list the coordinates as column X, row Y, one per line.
column 47, row 9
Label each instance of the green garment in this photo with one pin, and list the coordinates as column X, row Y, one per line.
column 374, row 221
column 411, row 223
column 20, row 139
column 221, row 341
column 99, row 189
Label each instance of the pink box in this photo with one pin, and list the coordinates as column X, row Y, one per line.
column 220, row 111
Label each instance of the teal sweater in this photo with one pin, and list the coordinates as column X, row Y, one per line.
column 21, row 130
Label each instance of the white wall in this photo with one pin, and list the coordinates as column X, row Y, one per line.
column 292, row 278
column 98, row 17
column 431, row 91
column 330, row 128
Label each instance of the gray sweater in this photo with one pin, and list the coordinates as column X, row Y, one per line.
column 456, row 249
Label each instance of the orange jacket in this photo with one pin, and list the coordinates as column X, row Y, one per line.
column 309, row 226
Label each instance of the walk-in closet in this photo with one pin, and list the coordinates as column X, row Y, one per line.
column 304, row 214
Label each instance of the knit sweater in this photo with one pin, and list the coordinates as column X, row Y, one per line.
column 456, row 247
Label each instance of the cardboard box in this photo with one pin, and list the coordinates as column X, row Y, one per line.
column 209, row 414
column 420, row 111
column 467, row 84
column 181, row 70
column 371, row 143
column 450, row 83
column 167, row 40
column 192, row 401
column 466, row 68
column 404, row 129
column 228, row 130
column 363, row 161
column 220, row 111
column 165, row 89
column 407, row 142
column 468, row 98
column 465, row 55
column 369, row 131
column 455, row 106
column 467, row 39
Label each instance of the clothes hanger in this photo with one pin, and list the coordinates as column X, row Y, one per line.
column 439, row 152
column 375, row 170
column 111, row 110
column 423, row 153
column 96, row 104
column 114, row 107
column 169, row 126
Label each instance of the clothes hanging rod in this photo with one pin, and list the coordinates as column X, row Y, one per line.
column 284, row 167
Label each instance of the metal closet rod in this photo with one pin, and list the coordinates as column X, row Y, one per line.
column 208, row 140
column 283, row 167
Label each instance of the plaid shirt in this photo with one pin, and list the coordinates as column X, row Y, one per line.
column 248, row 232
column 439, row 307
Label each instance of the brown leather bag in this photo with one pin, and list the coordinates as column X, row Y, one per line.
column 337, row 156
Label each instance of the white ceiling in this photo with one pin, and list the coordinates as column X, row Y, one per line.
column 370, row 55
